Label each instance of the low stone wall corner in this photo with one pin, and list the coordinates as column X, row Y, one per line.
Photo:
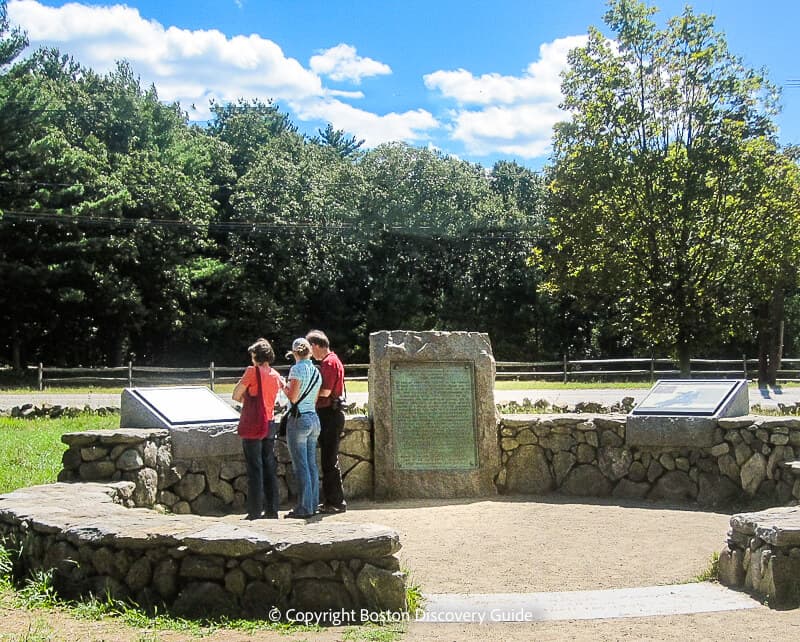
column 592, row 456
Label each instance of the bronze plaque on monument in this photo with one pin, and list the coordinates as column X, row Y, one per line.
column 433, row 413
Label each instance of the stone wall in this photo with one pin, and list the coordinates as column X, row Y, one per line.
column 195, row 566
column 587, row 455
column 762, row 555
column 574, row 454
column 198, row 480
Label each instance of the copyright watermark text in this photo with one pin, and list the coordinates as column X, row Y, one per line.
column 343, row 617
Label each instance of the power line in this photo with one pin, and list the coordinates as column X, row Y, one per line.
column 42, row 183
column 260, row 227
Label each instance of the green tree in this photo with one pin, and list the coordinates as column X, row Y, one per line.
column 649, row 189
column 293, row 244
column 448, row 246
column 771, row 248
column 12, row 41
column 102, row 216
column 246, row 125
column 337, row 139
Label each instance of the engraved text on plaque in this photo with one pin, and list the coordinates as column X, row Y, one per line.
column 433, row 413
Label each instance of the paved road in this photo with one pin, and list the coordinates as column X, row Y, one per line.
column 767, row 398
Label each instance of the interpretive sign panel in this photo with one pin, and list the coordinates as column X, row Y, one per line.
column 173, row 406
column 692, row 397
column 431, row 402
column 683, row 413
column 188, row 405
column 433, row 413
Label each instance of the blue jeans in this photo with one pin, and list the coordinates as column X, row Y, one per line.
column 302, row 433
column 262, row 476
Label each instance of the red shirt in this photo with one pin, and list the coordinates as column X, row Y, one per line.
column 332, row 372
column 270, row 385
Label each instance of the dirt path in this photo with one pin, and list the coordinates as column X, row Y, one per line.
column 515, row 545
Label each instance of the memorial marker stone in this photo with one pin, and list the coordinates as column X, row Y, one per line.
column 432, row 405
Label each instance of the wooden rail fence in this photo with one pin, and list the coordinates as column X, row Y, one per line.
column 565, row 370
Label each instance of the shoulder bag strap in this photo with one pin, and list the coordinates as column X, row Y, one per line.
column 308, row 388
column 260, row 392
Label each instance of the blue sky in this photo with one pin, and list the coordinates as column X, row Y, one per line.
column 478, row 80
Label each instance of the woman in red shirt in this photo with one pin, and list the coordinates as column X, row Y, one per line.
column 259, row 449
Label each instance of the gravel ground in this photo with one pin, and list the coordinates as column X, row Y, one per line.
column 514, row 544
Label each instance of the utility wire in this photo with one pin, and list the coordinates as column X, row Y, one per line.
column 253, row 226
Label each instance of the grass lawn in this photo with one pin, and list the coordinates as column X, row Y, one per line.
column 361, row 386
column 31, row 449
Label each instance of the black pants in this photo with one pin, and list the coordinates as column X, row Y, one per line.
column 332, row 423
column 262, row 476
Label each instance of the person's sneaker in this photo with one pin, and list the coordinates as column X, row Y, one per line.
column 270, row 516
column 292, row 515
column 330, row 509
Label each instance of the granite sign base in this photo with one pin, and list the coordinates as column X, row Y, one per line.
column 432, row 406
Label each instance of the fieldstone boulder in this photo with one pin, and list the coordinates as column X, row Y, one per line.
column 731, row 567
column 562, row 464
column 675, row 485
column 383, row 590
column 319, row 595
column 753, row 472
column 357, row 443
column 614, row 462
column 204, row 600
column 728, row 467
column 146, row 487
column 586, row 481
column 528, row 471
column 97, row 470
column 358, row 482
column 190, row 486
column 258, row 598
column 130, row 459
column 627, row 489
column 716, row 490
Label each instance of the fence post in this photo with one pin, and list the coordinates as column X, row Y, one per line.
column 130, row 374
column 211, row 376
column 41, row 377
column 565, row 367
column 652, row 368
column 744, row 365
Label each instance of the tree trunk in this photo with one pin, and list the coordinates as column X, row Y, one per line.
column 775, row 335
column 770, row 338
column 762, row 329
column 684, row 358
column 16, row 354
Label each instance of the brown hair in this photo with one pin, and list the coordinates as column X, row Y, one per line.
column 262, row 351
column 318, row 338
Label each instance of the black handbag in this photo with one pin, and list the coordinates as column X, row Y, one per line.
column 282, row 424
column 293, row 407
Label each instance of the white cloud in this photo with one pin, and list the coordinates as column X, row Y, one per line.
column 520, row 130
column 374, row 129
column 510, row 114
column 491, row 113
column 343, row 63
column 99, row 36
column 192, row 67
column 539, row 82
